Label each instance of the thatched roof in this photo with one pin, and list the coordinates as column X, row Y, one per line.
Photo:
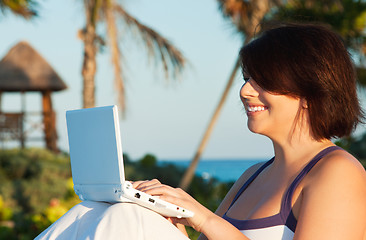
column 24, row 69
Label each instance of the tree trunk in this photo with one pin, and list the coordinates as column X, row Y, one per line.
column 260, row 8
column 1, row 98
column 89, row 63
column 188, row 175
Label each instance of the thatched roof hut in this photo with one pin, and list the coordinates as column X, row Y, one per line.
column 23, row 69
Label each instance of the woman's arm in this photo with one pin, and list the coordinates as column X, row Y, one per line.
column 205, row 221
column 211, row 225
column 333, row 200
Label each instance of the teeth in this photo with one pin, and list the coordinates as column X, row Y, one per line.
column 256, row 109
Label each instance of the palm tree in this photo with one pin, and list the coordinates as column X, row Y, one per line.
column 246, row 17
column 107, row 12
column 25, row 8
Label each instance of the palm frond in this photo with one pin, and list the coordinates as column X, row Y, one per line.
column 237, row 11
column 325, row 5
column 23, row 8
column 116, row 56
column 246, row 15
column 159, row 47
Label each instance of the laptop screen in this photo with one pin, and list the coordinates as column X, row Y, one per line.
column 95, row 145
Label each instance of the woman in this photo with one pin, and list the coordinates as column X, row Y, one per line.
column 300, row 91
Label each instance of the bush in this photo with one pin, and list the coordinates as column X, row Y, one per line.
column 31, row 178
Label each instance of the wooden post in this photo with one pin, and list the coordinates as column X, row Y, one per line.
column 49, row 122
column 22, row 136
column 1, row 97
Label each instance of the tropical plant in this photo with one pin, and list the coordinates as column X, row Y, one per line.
column 36, row 189
column 23, row 8
column 99, row 12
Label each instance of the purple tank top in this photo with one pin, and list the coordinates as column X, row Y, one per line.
column 285, row 217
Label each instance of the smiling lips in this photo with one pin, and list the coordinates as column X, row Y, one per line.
column 254, row 109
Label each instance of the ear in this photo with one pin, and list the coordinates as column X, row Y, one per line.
column 304, row 103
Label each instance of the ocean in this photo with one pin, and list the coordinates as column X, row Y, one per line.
column 223, row 170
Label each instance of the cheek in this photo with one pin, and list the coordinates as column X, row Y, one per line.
column 287, row 114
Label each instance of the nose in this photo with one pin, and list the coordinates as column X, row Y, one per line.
column 247, row 90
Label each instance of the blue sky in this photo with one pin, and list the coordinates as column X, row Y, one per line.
column 165, row 119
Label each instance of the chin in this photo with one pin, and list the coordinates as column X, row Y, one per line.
column 253, row 128
column 257, row 128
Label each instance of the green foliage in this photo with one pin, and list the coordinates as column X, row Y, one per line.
column 24, row 8
column 356, row 146
column 37, row 188
column 33, row 181
column 148, row 161
column 24, row 170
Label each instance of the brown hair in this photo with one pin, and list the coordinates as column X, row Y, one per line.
column 310, row 62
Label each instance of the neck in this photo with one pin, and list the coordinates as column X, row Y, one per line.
column 296, row 150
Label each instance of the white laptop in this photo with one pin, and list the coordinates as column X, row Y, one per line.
column 97, row 162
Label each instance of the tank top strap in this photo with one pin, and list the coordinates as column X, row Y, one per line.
column 250, row 180
column 286, row 208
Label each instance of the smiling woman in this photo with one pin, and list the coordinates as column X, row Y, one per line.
column 300, row 92
column 302, row 62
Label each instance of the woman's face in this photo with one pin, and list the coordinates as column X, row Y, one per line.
column 272, row 115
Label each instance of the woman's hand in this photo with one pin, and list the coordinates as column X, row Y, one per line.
column 205, row 221
column 179, row 197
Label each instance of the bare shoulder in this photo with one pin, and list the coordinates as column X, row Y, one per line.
column 339, row 165
column 236, row 187
column 335, row 189
column 339, row 170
